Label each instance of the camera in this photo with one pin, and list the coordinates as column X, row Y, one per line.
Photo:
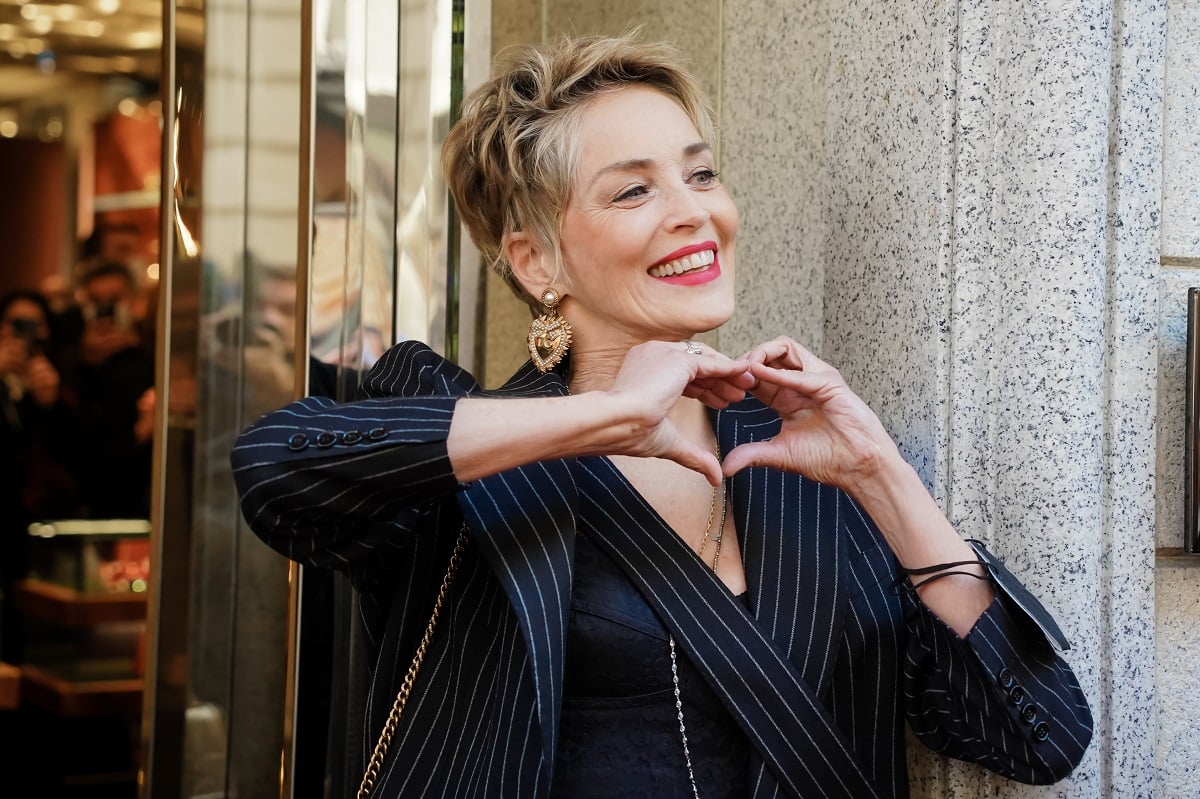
column 116, row 314
column 26, row 329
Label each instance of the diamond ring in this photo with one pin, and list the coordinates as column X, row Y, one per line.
column 694, row 348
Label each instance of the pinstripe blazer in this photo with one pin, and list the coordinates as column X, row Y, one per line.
column 820, row 675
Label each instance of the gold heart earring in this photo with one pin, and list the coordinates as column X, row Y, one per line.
column 549, row 334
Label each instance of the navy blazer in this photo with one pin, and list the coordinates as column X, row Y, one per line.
column 820, row 674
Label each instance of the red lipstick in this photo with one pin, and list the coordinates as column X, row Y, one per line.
column 688, row 250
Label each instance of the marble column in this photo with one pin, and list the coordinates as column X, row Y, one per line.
column 1177, row 584
column 975, row 215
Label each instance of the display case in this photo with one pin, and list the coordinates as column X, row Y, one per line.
column 84, row 613
column 91, row 556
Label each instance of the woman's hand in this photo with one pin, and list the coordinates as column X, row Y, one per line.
column 143, row 428
column 828, row 433
column 626, row 415
column 14, row 352
column 831, row 436
column 650, row 382
column 41, row 378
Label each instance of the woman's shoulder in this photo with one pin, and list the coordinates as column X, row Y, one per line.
column 412, row 369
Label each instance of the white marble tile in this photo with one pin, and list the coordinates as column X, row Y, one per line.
column 889, row 152
column 1181, row 145
column 693, row 25
column 1177, row 680
column 773, row 160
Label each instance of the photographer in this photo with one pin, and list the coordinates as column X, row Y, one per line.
column 113, row 383
column 37, row 437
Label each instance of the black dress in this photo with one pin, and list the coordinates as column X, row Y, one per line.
column 620, row 734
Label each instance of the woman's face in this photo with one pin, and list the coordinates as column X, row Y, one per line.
column 24, row 319
column 648, row 234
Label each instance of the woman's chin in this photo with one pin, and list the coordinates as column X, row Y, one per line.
column 714, row 318
column 699, row 325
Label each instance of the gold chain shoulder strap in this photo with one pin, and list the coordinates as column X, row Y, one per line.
column 393, row 719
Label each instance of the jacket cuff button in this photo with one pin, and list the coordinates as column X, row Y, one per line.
column 297, row 442
column 326, row 439
column 1041, row 731
column 1017, row 695
column 352, row 437
column 1029, row 712
column 376, row 433
column 1006, row 678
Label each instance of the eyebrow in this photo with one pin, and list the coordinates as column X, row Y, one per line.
column 633, row 164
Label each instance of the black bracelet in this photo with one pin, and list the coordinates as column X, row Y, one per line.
column 937, row 567
column 898, row 585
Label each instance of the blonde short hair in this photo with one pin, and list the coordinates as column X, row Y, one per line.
column 510, row 159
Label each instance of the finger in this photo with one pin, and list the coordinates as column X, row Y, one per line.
column 789, row 391
column 760, row 453
column 805, row 382
column 709, row 398
column 767, row 351
column 699, row 460
column 786, row 353
column 809, row 359
column 728, row 390
column 721, row 367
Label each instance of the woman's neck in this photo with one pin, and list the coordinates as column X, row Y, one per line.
column 595, row 369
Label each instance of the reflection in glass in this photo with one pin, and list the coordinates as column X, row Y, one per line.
column 378, row 274
column 220, row 649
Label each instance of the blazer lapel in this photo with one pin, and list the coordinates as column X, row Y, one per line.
column 797, row 745
column 780, row 522
column 524, row 522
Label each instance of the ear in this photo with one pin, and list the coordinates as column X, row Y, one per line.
column 532, row 262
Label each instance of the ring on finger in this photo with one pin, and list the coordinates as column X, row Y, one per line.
column 693, row 348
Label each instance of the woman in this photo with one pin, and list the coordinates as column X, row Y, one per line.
column 670, row 588
column 38, row 435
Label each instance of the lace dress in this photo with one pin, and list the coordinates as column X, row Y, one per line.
column 620, row 735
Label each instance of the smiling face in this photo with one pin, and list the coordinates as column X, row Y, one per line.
column 648, row 234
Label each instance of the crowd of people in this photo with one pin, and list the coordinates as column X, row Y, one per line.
column 76, row 411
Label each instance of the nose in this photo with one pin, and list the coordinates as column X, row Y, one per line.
column 686, row 208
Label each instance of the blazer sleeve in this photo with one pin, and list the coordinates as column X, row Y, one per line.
column 1001, row 696
column 344, row 485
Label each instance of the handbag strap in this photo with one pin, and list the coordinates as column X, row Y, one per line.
column 393, row 719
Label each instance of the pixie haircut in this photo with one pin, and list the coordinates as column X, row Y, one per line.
column 510, row 159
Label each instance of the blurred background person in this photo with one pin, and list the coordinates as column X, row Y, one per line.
column 38, row 440
column 113, row 388
column 113, row 241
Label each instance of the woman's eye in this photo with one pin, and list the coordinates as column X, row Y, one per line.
column 703, row 177
column 632, row 193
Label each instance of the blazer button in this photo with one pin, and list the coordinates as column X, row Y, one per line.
column 376, row 433
column 297, row 442
column 1041, row 731
column 1029, row 712
column 1006, row 678
column 326, row 439
column 352, row 437
column 1017, row 695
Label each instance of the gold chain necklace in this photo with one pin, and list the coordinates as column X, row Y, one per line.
column 719, row 537
column 717, row 540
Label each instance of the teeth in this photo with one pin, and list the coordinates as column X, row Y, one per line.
column 688, row 263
